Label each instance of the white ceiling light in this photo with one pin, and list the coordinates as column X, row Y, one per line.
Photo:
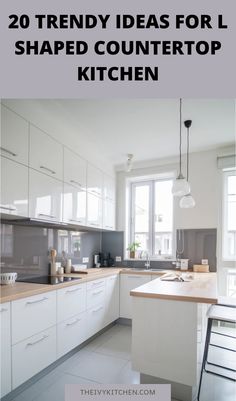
column 187, row 201
column 129, row 162
column 181, row 186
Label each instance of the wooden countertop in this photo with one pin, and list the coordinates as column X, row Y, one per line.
column 19, row 290
column 202, row 289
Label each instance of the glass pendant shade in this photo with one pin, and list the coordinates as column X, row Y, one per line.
column 180, row 186
column 187, row 202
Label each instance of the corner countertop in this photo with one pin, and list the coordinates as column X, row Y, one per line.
column 202, row 288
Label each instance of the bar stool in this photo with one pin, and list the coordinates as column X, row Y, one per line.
column 220, row 313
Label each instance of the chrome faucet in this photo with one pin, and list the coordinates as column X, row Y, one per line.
column 147, row 264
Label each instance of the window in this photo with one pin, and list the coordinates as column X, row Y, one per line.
column 229, row 215
column 151, row 211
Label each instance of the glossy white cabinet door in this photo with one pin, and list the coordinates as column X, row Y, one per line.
column 71, row 333
column 71, row 301
column 74, row 205
column 108, row 187
column 14, row 188
column 108, row 215
column 112, row 299
column 14, row 136
column 5, row 336
column 94, row 210
column 33, row 314
column 45, row 197
column 32, row 355
column 75, row 169
column 95, row 319
column 46, row 154
column 94, row 180
column 127, row 283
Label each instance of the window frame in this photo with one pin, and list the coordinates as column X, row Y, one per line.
column 226, row 173
column 151, row 183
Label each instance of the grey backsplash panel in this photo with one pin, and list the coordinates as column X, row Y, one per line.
column 25, row 249
column 198, row 244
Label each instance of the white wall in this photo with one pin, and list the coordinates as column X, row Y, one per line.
column 205, row 185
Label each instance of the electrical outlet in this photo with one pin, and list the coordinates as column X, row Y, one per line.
column 118, row 258
column 85, row 260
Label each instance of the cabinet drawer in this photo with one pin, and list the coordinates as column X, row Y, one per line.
column 95, row 319
column 15, row 136
column 32, row 315
column 95, row 297
column 71, row 333
column 96, row 283
column 71, row 301
column 5, row 344
column 32, row 355
column 46, row 154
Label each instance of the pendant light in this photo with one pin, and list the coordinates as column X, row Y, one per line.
column 181, row 186
column 187, row 201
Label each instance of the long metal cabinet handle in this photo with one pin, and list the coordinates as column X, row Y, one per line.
column 37, row 301
column 8, row 151
column 37, row 341
column 48, row 169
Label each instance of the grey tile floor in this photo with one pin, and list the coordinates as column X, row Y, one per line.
column 107, row 359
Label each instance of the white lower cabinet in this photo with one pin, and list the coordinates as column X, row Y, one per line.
column 112, row 310
column 32, row 315
column 95, row 319
column 127, row 283
column 32, row 355
column 5, row 342
column 71, row 300
column 71, row 333
column 44, row 327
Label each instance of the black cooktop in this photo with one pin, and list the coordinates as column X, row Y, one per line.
column 52, row 280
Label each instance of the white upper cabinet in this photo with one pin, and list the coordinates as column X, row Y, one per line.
column 94, row 210
column 94, row 180
column 46, row 154
column 108, row 215
column 108, row 187
column 75, row 169
column 45, row 197
column 14, row 188
column 74, row 205
column 14, row 136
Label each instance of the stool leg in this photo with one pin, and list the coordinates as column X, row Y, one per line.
column 205, row 355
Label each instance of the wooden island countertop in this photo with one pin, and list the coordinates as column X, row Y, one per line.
column 202, row 288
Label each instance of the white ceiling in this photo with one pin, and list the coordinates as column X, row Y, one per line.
column 148, row 128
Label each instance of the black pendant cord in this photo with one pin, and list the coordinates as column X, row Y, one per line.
column 187, row 153
column 180, row 137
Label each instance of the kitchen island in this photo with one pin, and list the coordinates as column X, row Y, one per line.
column 168, row 331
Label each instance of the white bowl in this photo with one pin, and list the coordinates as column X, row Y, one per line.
column 8, row 278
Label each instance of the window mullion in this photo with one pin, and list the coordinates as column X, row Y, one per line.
column 152, row 218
